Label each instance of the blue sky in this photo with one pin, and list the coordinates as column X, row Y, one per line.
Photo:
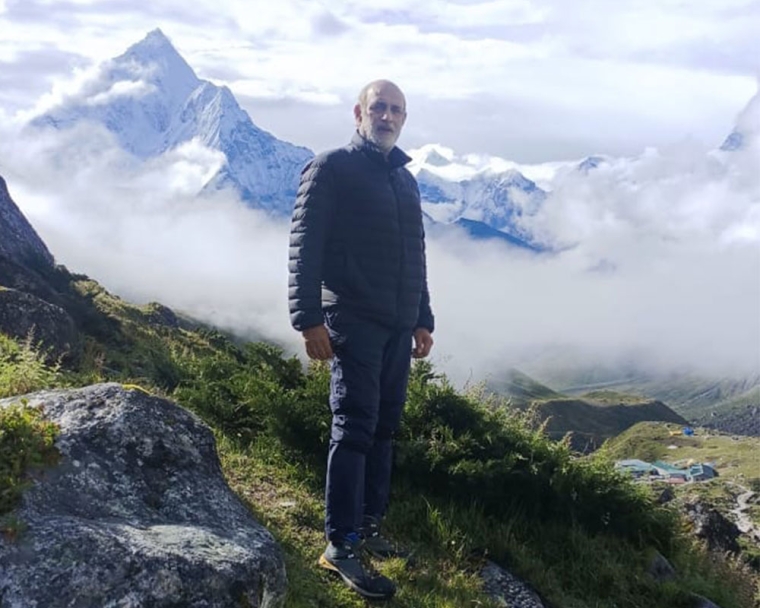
column 525, row 80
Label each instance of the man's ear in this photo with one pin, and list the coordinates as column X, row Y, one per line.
column 358, row 114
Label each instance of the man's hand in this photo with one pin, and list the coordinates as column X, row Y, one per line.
column 423, row 342
column 317, row 343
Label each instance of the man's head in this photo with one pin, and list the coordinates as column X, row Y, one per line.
column 380, row 113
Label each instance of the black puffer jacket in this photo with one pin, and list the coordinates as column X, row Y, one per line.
column 357, row 241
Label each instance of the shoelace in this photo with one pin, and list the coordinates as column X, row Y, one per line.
column 363, row 558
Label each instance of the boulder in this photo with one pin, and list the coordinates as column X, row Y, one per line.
column 23, row 315
column 660, row 568
column 702, row 602
column 136, row 513
column 505, row 589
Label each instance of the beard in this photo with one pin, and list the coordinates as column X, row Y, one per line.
column 383, row 139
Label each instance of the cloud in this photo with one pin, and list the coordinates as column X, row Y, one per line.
column 525, row 80
column 143, row 231
column 30, row 73
column 123, row 88
column 659, row 264
column 327, row 24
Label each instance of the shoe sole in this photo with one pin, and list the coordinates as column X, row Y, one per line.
column 325, row 563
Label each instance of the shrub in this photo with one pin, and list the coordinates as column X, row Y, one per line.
column 454, row 445
column 26, row 441
column 23, row 368
column 238, row 390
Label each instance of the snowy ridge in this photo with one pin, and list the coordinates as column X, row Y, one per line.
column 479, row 193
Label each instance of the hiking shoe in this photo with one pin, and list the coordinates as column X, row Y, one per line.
column 376, row 544
column 345, row 560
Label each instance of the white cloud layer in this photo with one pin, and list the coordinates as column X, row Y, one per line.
column 662, row 258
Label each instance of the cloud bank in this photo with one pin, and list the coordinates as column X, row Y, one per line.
column 659, row 255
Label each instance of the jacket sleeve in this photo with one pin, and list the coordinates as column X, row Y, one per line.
column 425, row 316
column 312, row 215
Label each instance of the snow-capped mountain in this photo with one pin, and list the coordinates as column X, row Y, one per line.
column 152, row 101
column 487, row 197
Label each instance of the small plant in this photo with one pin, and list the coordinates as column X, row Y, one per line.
column 23, row 368
column 26, row 442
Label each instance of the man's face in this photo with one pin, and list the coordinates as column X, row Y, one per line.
column 381, row 120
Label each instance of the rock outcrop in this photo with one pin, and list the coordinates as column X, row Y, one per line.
column 23, row 315
column 136, row 513
column 711, row 526
column 18, row 240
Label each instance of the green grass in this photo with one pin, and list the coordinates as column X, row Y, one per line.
column 474, row 478
column 736, row 458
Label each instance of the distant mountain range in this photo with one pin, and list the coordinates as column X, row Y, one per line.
column 151, row 100
column 731, row 404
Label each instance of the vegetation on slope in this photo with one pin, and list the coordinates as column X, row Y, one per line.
column 474, row 478
column 590, row 419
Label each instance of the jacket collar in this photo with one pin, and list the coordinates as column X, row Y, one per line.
column 396, row 158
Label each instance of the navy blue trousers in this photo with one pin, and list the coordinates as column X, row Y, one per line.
column 369, row 376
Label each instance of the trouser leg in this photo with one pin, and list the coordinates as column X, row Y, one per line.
column 394, row 378
column 354, row 401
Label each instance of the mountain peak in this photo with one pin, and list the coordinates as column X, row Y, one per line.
column 159, row 62
column 154, row 41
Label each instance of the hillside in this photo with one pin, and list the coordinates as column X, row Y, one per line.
column 519, row 388
column 591, row 422
column 473, row 486
column 740, row 420
column 590, row 419
column 701, row 399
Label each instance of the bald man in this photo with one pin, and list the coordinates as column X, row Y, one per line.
column 358, row 294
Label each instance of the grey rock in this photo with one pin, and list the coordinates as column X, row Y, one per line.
column 136, row 513
column 18, row 240
column 702, row 602
column 23, row 315
column 660, row 568
column 506, row 589
column 666, row 496
column 710, row 525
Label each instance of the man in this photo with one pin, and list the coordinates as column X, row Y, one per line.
column 358, row 294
